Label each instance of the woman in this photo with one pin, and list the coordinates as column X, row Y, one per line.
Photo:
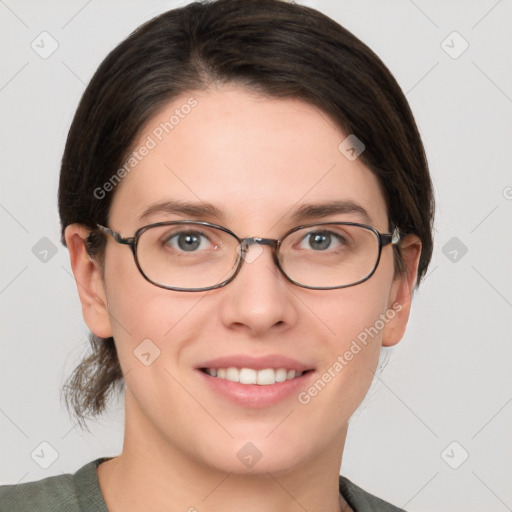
column 247, row 206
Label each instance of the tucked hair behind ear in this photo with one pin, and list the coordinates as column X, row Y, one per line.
column 271, row 47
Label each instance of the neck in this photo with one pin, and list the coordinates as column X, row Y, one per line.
column 152, row 474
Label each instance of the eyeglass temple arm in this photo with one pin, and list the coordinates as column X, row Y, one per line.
column 116, row 236
column 393, row 238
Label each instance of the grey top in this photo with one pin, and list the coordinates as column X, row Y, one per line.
column 80, row 492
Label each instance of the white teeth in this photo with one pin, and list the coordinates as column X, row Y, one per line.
column 233, row 374
column 281, row 375
column 247, row 376
column 264, row 377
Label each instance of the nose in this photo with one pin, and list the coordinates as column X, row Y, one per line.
column 259, row 299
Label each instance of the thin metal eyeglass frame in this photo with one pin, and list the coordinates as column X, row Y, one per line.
column 384, row 239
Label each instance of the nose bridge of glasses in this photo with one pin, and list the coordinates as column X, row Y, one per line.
column 256, row 240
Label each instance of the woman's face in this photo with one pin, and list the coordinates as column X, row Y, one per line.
column 257, row 161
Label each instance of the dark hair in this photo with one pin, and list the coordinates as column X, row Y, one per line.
column 273, row 48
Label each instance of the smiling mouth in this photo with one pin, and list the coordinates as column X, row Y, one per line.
column 265, row 377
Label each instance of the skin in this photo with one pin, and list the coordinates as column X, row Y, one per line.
column 255, row 159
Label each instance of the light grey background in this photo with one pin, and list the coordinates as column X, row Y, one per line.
column 448, row 380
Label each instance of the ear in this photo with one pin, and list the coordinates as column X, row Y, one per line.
column 89, row 282
column 401, row 292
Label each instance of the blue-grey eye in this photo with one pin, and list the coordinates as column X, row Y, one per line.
column 319, row 241
column 188, row 242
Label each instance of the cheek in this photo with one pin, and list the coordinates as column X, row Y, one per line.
column 141, row 311
column 352, row 311
column 353, row 321
column 151, row 327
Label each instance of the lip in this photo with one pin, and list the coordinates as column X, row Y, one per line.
column 255, row 396
column 256, row 363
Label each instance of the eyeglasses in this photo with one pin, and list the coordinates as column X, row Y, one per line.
column 197, row 256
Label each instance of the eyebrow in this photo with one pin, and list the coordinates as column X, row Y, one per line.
column 182, row 208
column 300, row 214
column 322, row 210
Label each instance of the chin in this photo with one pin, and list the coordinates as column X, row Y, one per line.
column 261, row 456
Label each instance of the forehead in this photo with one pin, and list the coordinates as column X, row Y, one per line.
column 256, row 159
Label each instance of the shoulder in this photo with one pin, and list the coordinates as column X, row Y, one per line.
column 361, row 500
column 65, row 492
column 51, row 493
